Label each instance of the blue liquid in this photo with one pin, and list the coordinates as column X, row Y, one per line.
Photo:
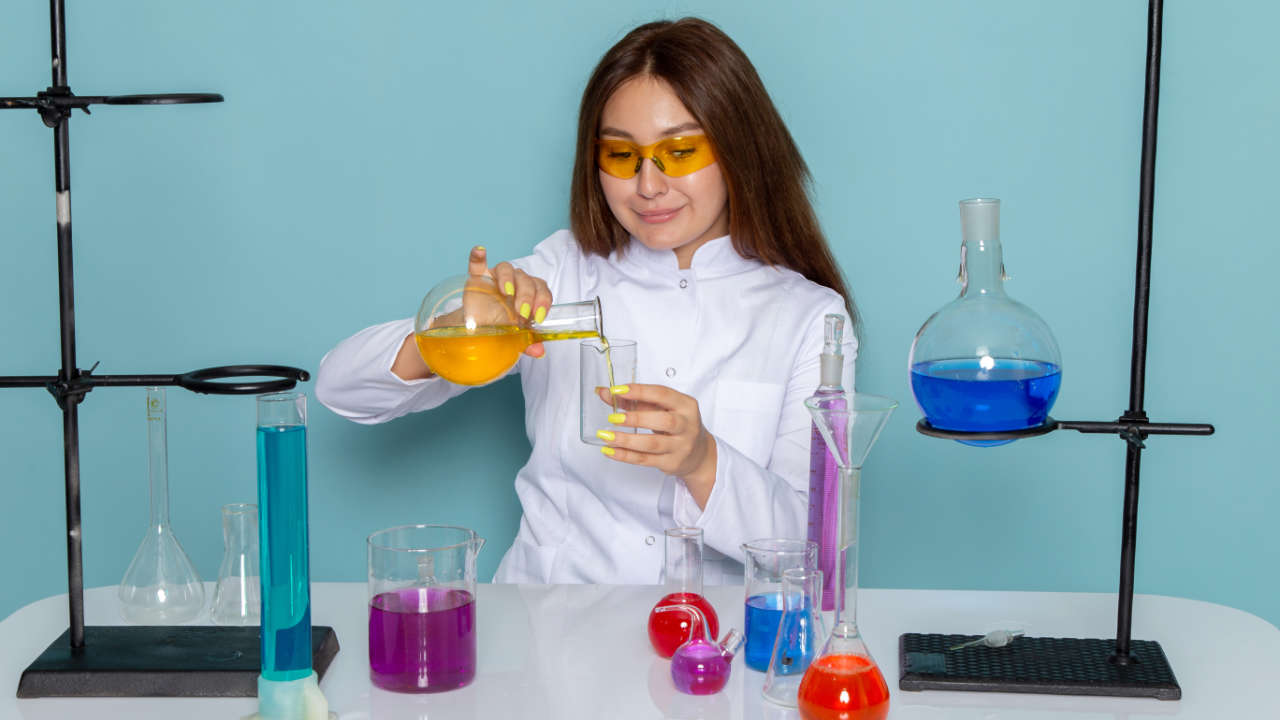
column 764, row 620
column 764, row 612
column 961, row 395
column 286, row 577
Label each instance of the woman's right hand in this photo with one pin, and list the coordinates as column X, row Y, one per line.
column 529, row 295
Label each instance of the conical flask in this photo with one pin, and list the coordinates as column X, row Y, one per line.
column 984, row 362
column 844, row 681
column 237, row 600
column 800, row 633
column 160, row 587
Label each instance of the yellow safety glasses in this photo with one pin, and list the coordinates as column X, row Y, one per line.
column 675, row 156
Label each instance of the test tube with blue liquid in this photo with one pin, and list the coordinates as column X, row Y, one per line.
column 287, row 687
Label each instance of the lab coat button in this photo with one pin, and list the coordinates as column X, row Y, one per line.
column 684, row 284
column 671, row 372
column 650, row 540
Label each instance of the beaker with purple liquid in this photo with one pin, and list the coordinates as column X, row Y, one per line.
column 422, row 607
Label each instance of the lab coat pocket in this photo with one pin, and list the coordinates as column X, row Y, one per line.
column 746, row 416
column 527, row 562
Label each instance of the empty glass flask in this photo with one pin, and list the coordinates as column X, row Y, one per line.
column 984, row 362
column 237, row 599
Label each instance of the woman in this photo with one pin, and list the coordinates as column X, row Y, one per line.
column 691, row 221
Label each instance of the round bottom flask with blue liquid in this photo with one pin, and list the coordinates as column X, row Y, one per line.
column 984, row 362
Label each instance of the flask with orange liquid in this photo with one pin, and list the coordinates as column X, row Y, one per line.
column 470, row 334
column 844, row 682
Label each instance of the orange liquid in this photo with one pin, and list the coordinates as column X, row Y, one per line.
column 482, row 355
column 843, row 687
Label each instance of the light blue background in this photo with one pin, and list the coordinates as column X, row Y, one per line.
column 364, row 146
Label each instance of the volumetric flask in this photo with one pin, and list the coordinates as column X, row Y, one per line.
column 800, row 634
column 237, row 600
column 469, row 333
column 984, row 362
column 160, row 587
column 764, row 563
column 422, row 607
column 682, row 576
column 605, row 363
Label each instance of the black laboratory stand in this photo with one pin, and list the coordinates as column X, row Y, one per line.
column 1071, row 666
column 137, row 661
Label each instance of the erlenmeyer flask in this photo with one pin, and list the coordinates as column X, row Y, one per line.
column 844, row 681
column 683, row 577
column 237, row 600
column 799, row 634
column 160, row 587
column 984, row 362
column 469, row 333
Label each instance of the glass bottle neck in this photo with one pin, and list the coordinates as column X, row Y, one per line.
column 157, row 458
column 846, row 586
column 682, row 572
column 981, row 257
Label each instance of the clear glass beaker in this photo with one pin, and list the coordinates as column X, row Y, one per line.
column 844, row 680
column 282, row 528
column 682, row 575
column 984, row 362
column 603, row 364
column 764, row 563
column 161, row 586
column 799, row 635
column 237, row 599
column 422, row 607
column 469, row 333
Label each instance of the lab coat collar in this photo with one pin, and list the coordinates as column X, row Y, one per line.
column 716, row 258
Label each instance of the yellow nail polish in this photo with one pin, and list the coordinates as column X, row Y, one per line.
column 607, row 451
column 480, row 248
column 509, row 289
column 620, row 389
column 524, row 311
column 540, row 315
column 617, row 418
column 605, row 435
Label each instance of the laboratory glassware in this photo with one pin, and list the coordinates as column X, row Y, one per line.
column 699, row 666
column 422, row 607
column 984, row 362
column 682, row 576
column 237, row 599
column 468, row 332
column 764, row 562
column 824, row 474
column 604, row 363
column 282, row 528
column 160, row 587
column 844, row 680
column 800, row 633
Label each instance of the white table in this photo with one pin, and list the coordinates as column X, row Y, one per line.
column 581, row 651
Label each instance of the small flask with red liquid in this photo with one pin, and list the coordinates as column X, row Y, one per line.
column 683, row 578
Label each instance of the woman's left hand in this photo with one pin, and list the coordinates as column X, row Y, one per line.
column 680, row 445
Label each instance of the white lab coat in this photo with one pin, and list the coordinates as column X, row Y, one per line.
column 739, row 336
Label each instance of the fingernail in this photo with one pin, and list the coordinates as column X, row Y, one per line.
column 617, row 418
column 605, row 435
column 509, row 289
column 620, row 389
column 524, row 311
column 607, row 451
column 480, row 248
column 540, row 315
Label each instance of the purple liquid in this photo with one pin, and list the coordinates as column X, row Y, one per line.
column 824, row 501
column 422, row 639
column 699, row 668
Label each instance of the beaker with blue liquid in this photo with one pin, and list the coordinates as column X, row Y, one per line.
column 764, row 562
column 984, row 362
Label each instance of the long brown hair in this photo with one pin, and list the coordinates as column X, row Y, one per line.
column 771, row 218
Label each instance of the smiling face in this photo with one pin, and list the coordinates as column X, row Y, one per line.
column 663, row 213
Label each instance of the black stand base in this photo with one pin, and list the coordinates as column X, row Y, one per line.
column 179, row 661
column 1055, row 666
